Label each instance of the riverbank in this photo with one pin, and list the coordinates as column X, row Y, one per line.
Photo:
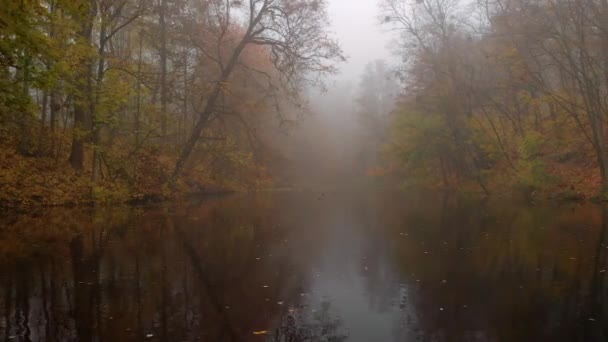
column 29, row 182
column 575, row 180
column 572, row 179
column 34, row 182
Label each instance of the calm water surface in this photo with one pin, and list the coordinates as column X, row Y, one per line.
column 307, row 267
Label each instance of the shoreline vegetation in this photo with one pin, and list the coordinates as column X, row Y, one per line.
column 44, row 182
column 37, row 182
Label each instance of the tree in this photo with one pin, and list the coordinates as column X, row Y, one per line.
column 294, row 32
column 378, row 90
column 435, row 36
column 84, row 105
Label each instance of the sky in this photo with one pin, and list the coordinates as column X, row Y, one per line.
column 355, row 24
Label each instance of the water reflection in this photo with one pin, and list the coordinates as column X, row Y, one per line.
column 304, row 267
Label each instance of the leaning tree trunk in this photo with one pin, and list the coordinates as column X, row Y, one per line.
column 208, row 111
column 196, row 133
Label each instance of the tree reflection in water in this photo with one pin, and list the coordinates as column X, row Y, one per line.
column 398, row 267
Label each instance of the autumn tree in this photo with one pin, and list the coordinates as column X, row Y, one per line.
column 518, row 87
column 436, row 41
column 293, row 32
column 120, row 89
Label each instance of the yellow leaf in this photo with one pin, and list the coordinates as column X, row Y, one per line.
column 262, row 332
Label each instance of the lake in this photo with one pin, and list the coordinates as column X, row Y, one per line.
column 307, row 266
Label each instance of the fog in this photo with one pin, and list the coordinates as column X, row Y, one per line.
column 356, row 26
column 329, row 146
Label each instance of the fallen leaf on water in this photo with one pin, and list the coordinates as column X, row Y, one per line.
column 261, row 332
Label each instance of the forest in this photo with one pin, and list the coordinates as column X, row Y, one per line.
column 114, row 100
column 105, row 101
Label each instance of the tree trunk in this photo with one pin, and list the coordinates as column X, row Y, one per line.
column 603, row 155
column 163, row 67
column 43, row 111
column 183, row 122
column 55, row 106
column 196, row 133
column 604, row 118
column 138, row 109
column 82, row 115
column 78, row 131
column 97, row 126
column 26, row 121
column 208, row 111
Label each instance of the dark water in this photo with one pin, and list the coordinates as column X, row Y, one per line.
column 307, row 267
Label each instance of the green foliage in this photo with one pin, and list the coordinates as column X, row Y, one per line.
column 531, row 146
column 419, row 138
column 532, row 169
column 533, row 175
